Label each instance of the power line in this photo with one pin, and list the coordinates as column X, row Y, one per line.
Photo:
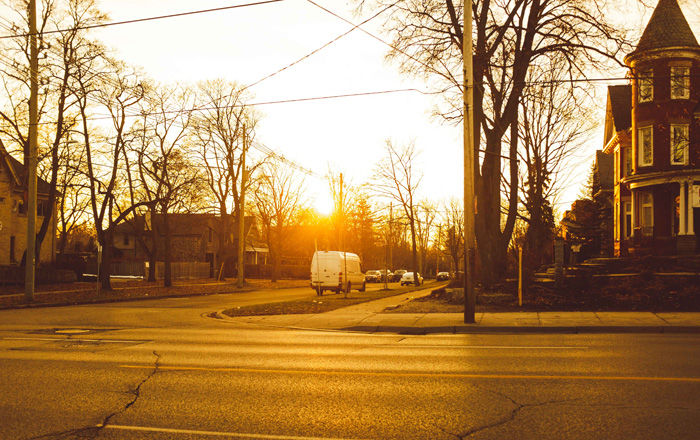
column 355, row 27
column 139, row 20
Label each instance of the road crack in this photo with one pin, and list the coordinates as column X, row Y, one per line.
column 136, row 392
column 92, row 431
column 513, row 413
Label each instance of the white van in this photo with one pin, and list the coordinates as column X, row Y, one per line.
column 328, row 272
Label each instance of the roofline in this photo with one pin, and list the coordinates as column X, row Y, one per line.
column 5, row 156
column 654, row 54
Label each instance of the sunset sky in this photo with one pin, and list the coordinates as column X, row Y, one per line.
column 248, row 44
column 347, row 134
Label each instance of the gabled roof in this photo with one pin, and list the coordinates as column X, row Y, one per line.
column 184, row 224
column 667, row 28
column 17, row 171
column 8, row 161
column 620, row 102
column 618, row 114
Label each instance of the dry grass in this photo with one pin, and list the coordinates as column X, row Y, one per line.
column 320, row 304
column 78, row 293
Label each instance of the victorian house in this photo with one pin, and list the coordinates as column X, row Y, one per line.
column 13, row 213
column 652, row 128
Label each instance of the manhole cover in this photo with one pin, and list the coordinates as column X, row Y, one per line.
column 72, row 331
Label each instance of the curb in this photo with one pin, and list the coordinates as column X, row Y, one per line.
column 475, row 329
column 491, row 329
column 36, row 305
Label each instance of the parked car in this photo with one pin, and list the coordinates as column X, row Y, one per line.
column 373, row 276
column 327, row 269
column 383, row 276
column 443, row 276
column 397, row 275
column 407, row 279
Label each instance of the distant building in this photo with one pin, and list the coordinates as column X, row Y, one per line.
column 588, row 225
column 652, row 129
column 13, row 213
column 194, row 238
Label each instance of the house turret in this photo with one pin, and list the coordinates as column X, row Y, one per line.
column 665, row 93
column 658, row 175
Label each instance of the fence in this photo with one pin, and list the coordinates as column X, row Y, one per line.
column 129, row 268
column 184, row 270
column 15, row 275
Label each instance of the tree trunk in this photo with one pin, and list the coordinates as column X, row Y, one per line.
column 167, row 272
column 414, row 251
column 105, row 274
column 223, row 233
column 153, row 256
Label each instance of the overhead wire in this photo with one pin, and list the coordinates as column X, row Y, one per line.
column 140, row 20
column 354, row 27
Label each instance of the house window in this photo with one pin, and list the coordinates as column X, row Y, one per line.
column 627, row 232
column 679, row 144
column 645, row 146
column 680, row 82
column 626, row 162
column 126, row 240
column 21, row 209
column 13, row 258
column 40, row 208
column 645, row 86
column 647, row 214
column 616, row 232
column 211, row 235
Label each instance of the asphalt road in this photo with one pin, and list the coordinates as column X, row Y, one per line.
column 162, row 370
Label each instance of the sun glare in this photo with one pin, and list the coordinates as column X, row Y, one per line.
column 323, row 203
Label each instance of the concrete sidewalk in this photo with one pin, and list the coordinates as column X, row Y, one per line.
column 372, row 317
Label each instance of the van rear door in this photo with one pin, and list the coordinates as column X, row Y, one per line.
column 326, row 267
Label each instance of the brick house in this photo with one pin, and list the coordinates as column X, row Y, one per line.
column 13, row 213
column 652, row 129
column 194, row 239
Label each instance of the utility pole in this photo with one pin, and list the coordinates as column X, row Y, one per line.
column 469, row 199
column 437, row 251
column 391, row 235
column 387, row 255
column 30, row 162
column 341, row 211
column 241, row 219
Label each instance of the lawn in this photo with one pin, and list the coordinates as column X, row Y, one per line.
column 319, row 304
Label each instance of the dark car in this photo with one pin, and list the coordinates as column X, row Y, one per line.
column 397, row 275
column 373, row 276
column 384, row 275
column 443, row 276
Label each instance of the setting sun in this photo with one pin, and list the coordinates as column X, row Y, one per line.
column 323, row 203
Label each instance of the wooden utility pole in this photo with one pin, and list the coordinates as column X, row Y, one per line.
column 341, row 210
column 31, row 159
column 241, row 219
column 388, row 255
column 469, row 199
column 437, row 251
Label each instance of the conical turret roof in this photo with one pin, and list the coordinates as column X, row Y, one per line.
column 667, row 28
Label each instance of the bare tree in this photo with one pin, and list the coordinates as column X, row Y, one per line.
column 218, row 134
column 425, row 215
column 395, row 179
column 117, row 90
column 343, row 195
column 552, row 130
column 166, row 174
column 61, row 53
column 509, row 38
column 73, row 205
column 453, row 238
column 279, row 201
